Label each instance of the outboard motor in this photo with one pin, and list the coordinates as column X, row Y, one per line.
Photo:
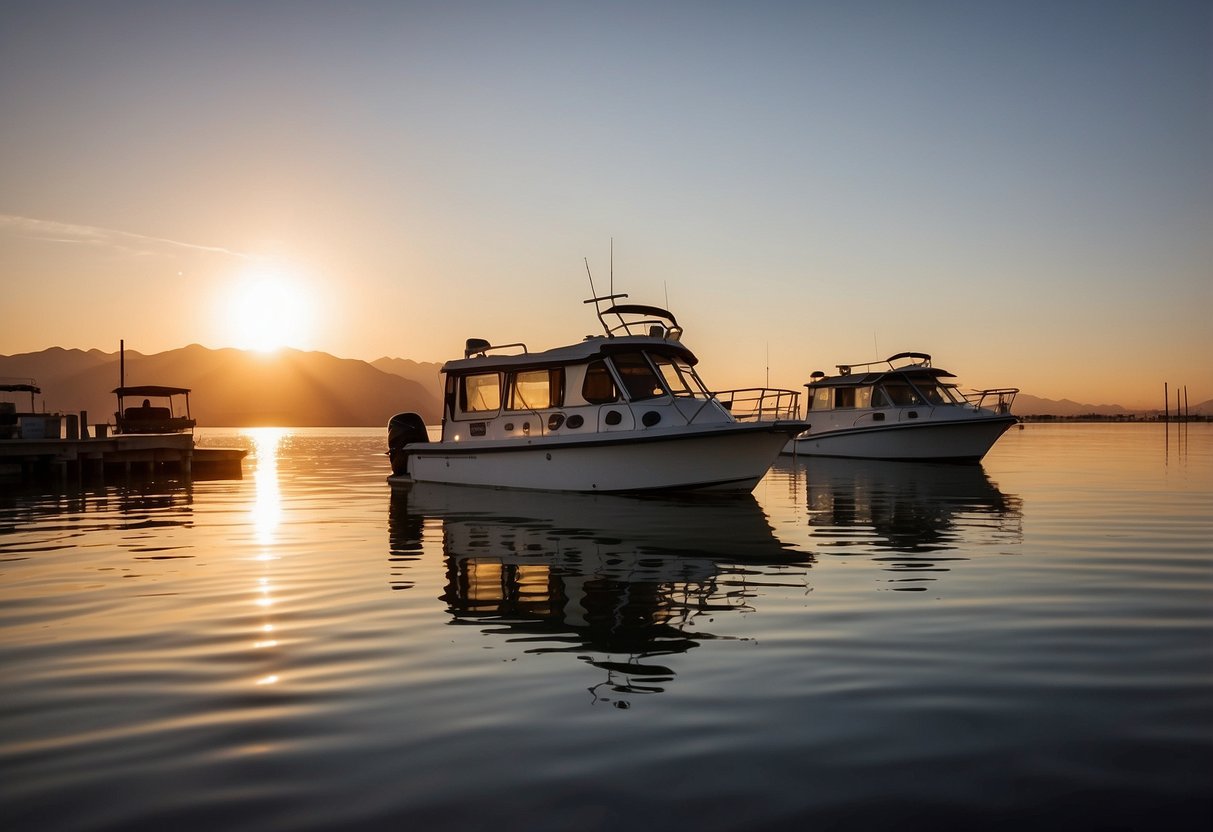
column 404, row 429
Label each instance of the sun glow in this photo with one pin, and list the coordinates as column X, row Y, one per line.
column 267, row 310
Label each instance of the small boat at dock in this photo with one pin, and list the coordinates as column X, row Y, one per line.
column 624, row 411
column 901, row 408
column 166, row 416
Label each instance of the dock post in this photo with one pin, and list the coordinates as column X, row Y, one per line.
column 84, row 424
column 72, row 427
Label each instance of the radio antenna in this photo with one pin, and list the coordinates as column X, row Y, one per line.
column 612, row 265
column 593, row 294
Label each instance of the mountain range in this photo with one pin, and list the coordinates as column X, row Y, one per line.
column 292, row 388
column 235, row 388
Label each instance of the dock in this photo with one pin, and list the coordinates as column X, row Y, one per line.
column 27, row 459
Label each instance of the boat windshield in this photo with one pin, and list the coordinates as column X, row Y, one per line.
column 637, row 376
column 900, row 394
column 940, row 393
column 679, row 377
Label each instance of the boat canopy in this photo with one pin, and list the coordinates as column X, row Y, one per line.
column 20, row 388
column 151, row 390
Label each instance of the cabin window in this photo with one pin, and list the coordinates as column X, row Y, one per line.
column 679, row 378
column 599, row 385
column 480, row 393
column 637, row 376
column 820, row 399
column 844, row 397
column 537, row 389
column 863, row 397
column 879, row 399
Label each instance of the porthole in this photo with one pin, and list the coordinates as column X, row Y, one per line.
column 575, row 421
column 650, row 418
column 555, row 421
column 613, row 417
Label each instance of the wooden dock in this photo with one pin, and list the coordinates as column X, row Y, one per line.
column 28, row 459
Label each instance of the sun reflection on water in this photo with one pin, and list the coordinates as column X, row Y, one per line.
column 267, row 506
column 266, row 515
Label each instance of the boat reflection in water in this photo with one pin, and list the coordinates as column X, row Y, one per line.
column 914, row 517
column 617, row 581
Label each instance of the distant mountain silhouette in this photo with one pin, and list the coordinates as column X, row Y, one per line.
column 235, row 388
column 428, row 374
column 1026, row 405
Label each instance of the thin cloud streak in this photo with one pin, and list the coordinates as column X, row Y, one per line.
column 71, row 234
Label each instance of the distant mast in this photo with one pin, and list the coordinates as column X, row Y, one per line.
column 121, row 363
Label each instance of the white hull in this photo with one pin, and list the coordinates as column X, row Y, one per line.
column 730, row 456
column 966, row 439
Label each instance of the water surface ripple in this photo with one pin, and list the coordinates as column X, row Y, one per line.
column 1023, row 643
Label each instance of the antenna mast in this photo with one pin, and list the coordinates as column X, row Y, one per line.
column 612, row 265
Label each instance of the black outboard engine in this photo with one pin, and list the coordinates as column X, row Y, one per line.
column 404, row 429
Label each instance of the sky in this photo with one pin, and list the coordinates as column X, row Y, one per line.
column 1022, row 189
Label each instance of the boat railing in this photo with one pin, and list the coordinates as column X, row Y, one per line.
column 760, row 404
column 480, row 347
column 998, row 399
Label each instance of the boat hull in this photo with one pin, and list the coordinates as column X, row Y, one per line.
column 731, row 457
column 959, row 440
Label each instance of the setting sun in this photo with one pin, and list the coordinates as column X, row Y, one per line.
column 267, row 310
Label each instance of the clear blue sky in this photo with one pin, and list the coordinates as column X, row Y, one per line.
column 1023, row 189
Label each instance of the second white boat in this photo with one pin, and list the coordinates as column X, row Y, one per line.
column 901, row 408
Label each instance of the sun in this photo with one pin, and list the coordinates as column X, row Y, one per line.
column 269, row 310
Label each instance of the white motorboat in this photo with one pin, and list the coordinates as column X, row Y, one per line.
column 901, row 408
column 619, row 412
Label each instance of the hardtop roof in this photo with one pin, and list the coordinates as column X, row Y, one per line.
column 592, row 347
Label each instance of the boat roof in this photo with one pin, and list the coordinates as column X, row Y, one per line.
column 592, row 347
column 151, row 390
column 20, row 388
column 865, row 379
column 919, row 367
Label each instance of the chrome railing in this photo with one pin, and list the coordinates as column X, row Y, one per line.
column 1000, row 399
column 760, row 404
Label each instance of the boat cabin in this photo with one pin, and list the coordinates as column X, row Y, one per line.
column 637, row 376
column 888, row 384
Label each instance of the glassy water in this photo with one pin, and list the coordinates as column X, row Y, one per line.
column 1026, row 643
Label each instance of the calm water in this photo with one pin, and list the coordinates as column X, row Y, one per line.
column 1023, row 644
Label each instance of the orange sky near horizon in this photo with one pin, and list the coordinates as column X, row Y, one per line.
column 1023, row 193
